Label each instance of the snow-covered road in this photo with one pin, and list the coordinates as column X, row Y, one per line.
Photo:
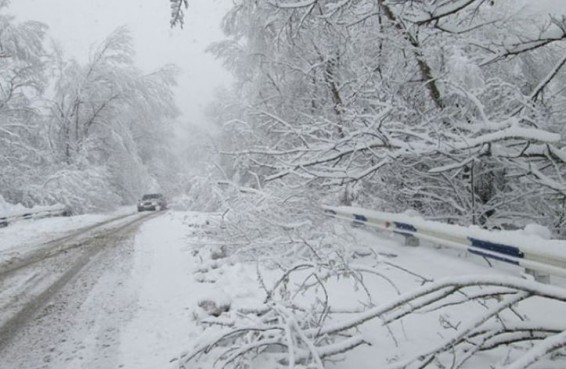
column 64, row 301
column 131, row 305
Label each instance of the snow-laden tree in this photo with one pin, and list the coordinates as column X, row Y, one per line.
column 425, row 105
column 429, row 105
column 89, row 135
column 109, row 114
column 22, row 81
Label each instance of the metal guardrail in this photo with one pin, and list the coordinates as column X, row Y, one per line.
column 533, row 253
column 44, row 212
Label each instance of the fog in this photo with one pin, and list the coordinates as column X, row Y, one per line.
column 76, row 25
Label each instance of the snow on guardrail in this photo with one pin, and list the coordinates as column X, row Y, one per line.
column 34, row 213
column 515, row 247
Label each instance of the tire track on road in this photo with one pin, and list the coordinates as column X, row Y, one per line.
column 90, row 248
column 52, row 248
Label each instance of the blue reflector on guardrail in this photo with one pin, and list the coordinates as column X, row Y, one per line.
column 404, row 228
column 497, row 247
column 491, row 256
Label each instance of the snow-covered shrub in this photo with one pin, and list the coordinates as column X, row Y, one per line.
column 215, row 303
column 274, row 222
column 320, row 306
column 287, row 235
column 479, row 321
column 218, row 252
column 6, row 207
column 204, row 194
column 538, row 230
column 79, row 190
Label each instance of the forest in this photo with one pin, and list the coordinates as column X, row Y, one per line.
column 453, row 109
column 87, row 135
column 448, row 110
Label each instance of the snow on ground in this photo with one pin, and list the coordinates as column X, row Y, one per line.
column 182, row 281
column 163, row 323
column 7, row 208
column 405, row 268
column 419, row 332
column 24, row 233
column 149, row 308
column 170, row 257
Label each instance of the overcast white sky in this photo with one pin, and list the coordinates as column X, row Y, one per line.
column 77, row 24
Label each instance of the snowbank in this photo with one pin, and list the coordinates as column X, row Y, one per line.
column 7, row 209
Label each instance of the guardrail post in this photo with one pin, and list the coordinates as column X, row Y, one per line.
column 538, row 276
column 411, row 240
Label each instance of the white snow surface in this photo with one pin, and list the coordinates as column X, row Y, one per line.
column 161, row 277
column 165, row 278
column 153, row 303
column 28, row 233
column 7, row 208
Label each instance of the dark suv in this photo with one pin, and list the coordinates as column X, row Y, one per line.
column 152, row 201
